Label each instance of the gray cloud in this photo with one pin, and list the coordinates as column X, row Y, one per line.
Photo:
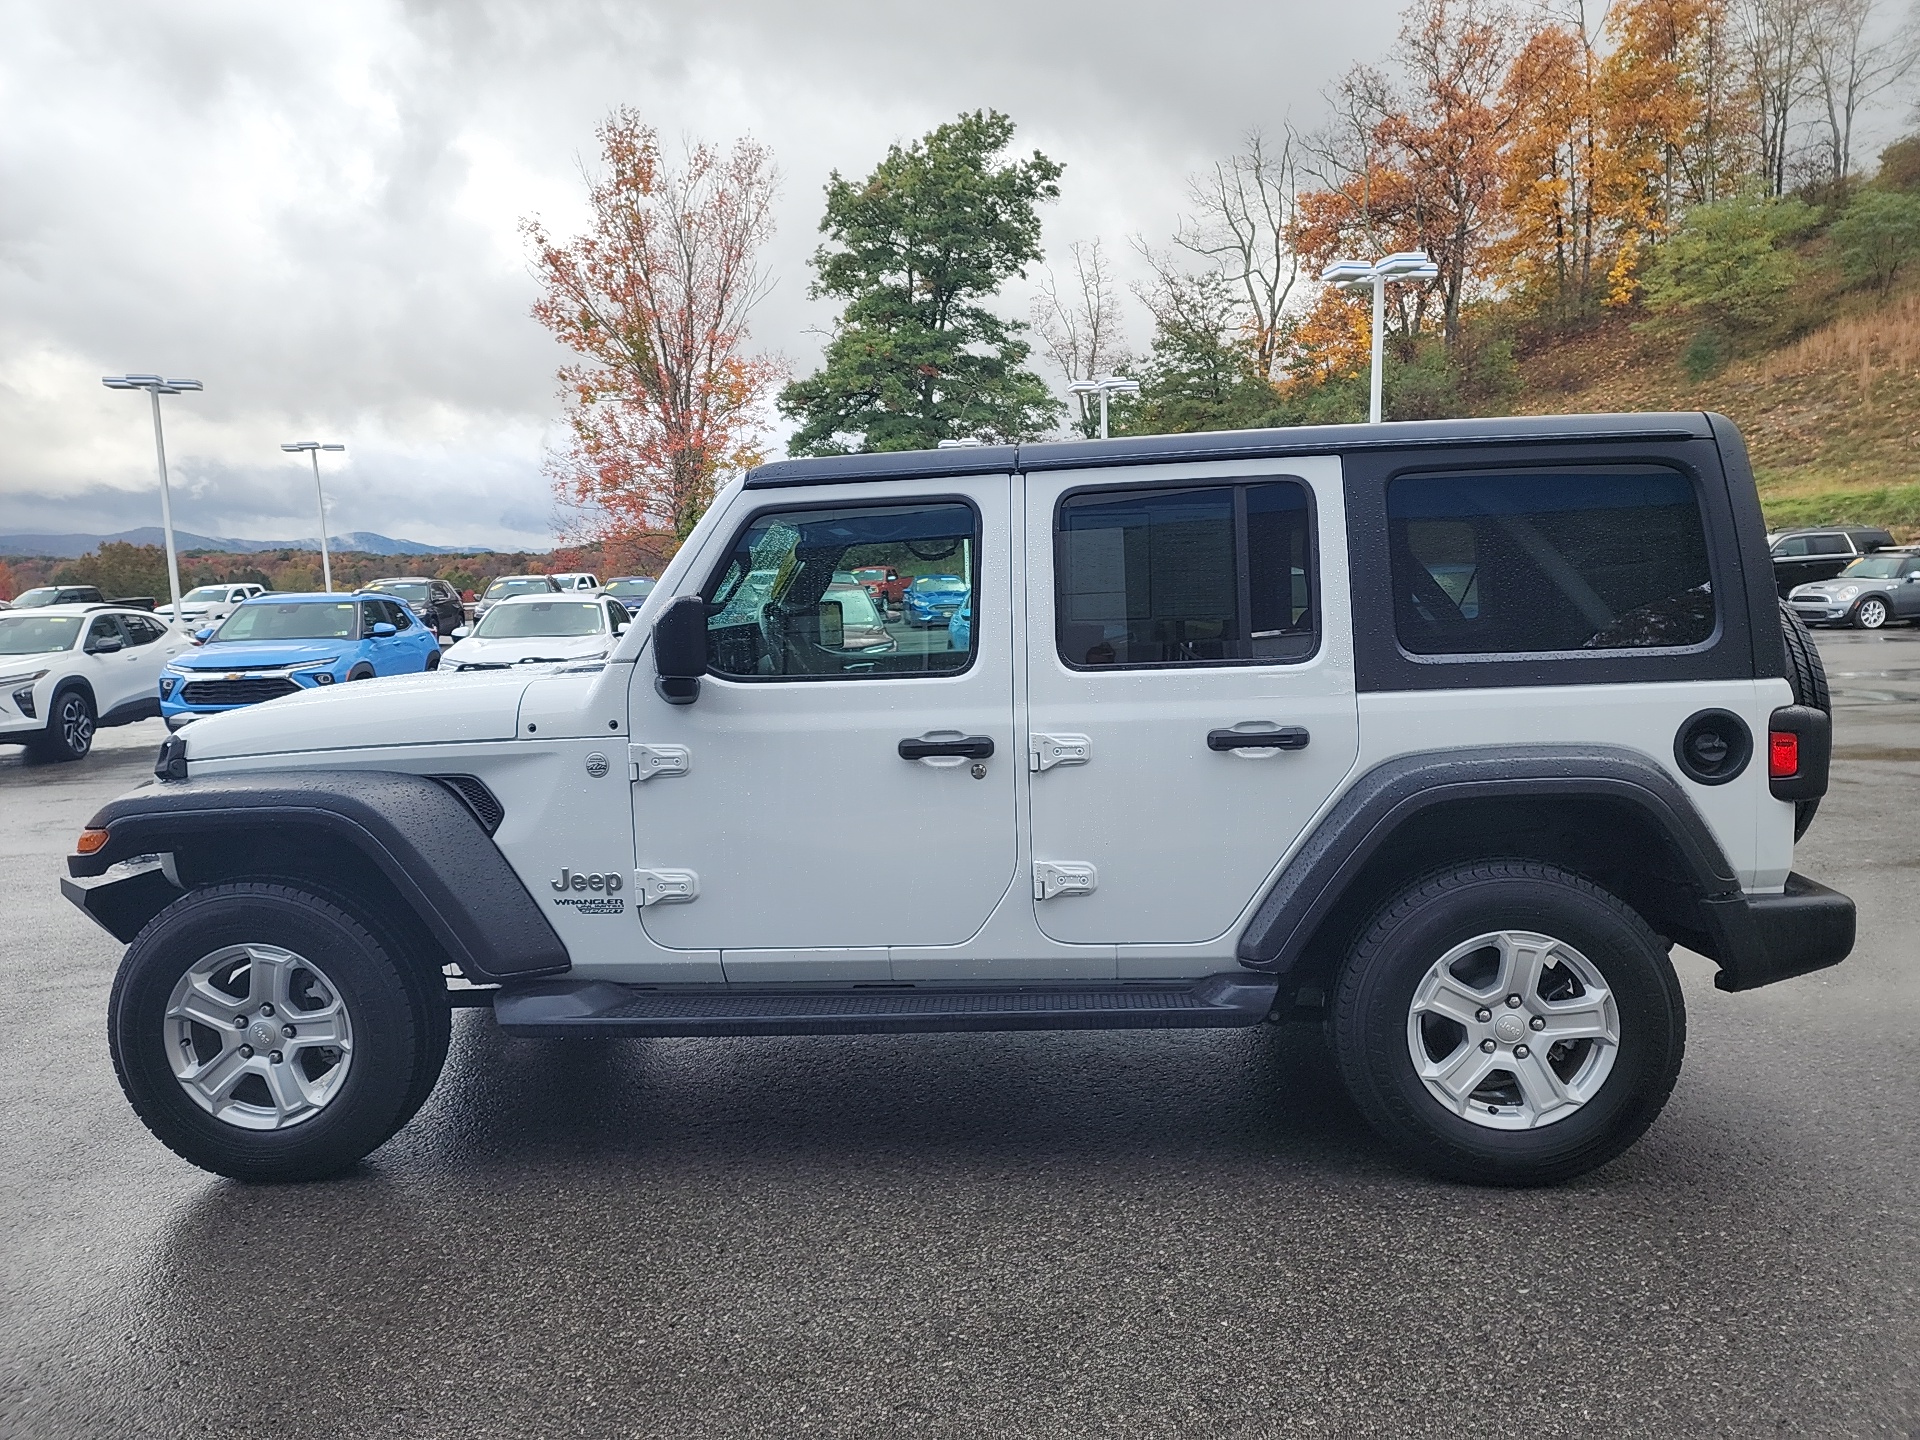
column 313, row 209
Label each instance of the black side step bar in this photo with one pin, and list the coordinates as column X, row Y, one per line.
column 600, row 1007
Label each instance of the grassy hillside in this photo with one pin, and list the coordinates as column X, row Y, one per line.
column 1832, row 418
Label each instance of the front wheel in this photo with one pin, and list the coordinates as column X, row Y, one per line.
column 262, row 1033
column 1508, row 1023
column 70, row 727
column 1870, row 613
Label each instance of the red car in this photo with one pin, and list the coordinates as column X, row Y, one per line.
column 884, row 583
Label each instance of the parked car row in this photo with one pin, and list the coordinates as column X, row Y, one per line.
column 1870, row 592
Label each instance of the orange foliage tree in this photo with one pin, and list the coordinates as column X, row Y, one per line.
column 654, row 298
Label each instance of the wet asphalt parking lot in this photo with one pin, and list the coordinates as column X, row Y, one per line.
column 1140, row 1234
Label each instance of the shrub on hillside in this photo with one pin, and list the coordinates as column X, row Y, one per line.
column 1878, row 234
column 1727, row 263
column 1900, row 165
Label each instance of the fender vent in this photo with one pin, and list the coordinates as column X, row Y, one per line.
column 474, row 794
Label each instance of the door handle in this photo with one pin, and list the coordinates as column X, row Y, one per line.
column 965, row 747
column 1282, row 737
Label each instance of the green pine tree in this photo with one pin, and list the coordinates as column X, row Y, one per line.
column 914, row 250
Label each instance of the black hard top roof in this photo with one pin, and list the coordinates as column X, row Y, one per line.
column 1225, row 445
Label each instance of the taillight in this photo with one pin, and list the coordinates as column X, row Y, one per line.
column 1783, row 755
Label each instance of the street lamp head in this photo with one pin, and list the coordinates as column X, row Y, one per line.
column 1119, row 385
column 1084, row 387
column 155, row 383
column 299, row 445
column 1348, row 272
column 333, row 447
column 1406, row 265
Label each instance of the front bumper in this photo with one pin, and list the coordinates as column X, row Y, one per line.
column 1759, row 939
column 1821, row 612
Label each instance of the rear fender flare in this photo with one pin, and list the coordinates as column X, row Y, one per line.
column 1393, row 795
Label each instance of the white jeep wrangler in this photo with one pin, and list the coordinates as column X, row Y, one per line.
column 1441, row 733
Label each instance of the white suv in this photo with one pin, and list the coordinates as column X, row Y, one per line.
column 1439, row 734
column 209, row 604
column 66, row 670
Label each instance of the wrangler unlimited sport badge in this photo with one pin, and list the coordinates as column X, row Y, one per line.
column 599, row 897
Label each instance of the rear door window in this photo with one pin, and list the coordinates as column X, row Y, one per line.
column 1533, row 562
column 1214, row 575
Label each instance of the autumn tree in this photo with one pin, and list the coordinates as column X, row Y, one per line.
column 1080, row 325
column 915, row 251
column 654, row 298
column 9, row 587
column 1202, row 372
column 1851, row 65
column 1243, row 225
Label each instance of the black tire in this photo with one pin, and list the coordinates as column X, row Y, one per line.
column 1807, row 676
column 433, row 661
column 360, row 672
column 71, row 726
column 394, row 1056
column 1371, row 1012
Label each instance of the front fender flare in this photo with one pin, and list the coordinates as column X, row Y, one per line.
column 426, row 843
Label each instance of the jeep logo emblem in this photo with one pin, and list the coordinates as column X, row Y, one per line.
column 605, row 884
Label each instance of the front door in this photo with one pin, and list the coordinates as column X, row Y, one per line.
column 1191, row 696
column 830, row 790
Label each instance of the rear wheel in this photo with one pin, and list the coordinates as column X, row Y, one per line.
column 433, row 660
column 71, row 724
column 264, row 1034
column 1508, row 1023
column 1807, row 676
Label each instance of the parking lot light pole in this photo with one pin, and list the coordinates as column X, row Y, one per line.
column 313, row 448
column 1105, row 386
column 155, row 387
column 1355, row 274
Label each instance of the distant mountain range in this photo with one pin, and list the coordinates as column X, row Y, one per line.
column 365, row 541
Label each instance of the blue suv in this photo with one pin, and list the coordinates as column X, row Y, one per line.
column 279, row 644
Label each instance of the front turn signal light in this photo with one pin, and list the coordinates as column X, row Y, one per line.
column 1783, row 755
column 90, row 841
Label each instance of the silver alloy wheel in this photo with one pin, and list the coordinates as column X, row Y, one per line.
column 1513, row 1030
column 1872, row 613
column 76, row 723
column 258, row 1036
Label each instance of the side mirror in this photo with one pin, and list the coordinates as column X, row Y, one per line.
column 833, row 624
column 460, row 632
column 200, row 637
column 106, row 645
column 381, row 630
column 680, row 650
column 622, row 627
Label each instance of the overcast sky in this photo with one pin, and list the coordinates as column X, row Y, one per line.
column 312, row 208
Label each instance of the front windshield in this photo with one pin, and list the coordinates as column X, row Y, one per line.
column 205, row 592
column 942, row 584
column 635, row 589
column 296, row 620
column 1874, row 567
column 36, row 634
column 39, row 595
column 525, row 585
column 541, row 619
column 414, row 592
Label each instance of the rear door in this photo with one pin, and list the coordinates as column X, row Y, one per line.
column 1191, row 698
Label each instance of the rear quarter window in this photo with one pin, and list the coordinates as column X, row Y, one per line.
column 1548, row 561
